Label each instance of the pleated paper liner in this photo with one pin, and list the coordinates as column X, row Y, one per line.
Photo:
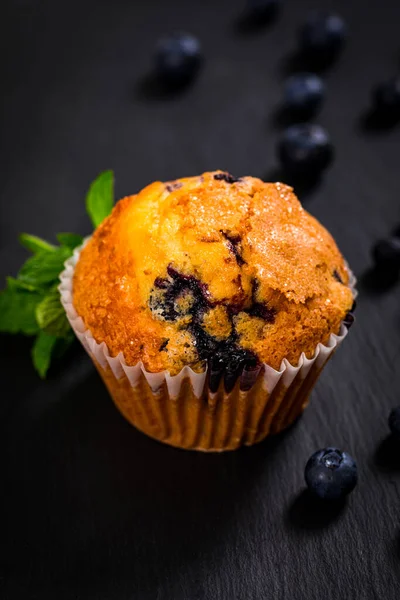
column 181, row 410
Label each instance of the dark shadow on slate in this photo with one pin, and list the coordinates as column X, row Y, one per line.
column 282, row 117
column 246, row 24
column 304, row 186
column 310, row 513
column 375, row 122
column 396, row 231
column 377, row 281
column 98, row 486
column 15, row 352
column 151, row 88
column 397, row 546
column 387, row 455
column 393, row 549
column 298, row 62
column 67, row 360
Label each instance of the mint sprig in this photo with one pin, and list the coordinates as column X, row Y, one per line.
column 43, row 268
column 18, row 310
column 50, row 314
column 30, row 304
column 35, row 244
column 70, row 240
column 100, row 198
column 42, row 351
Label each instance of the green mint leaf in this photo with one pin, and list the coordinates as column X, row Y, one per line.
column 18, row 311
column 100, row 197
column 48, row 348
column 44, row 268
column 35, row 244
column 42, row 352
column 16, row 285
column 70, row 240
column 51, row 316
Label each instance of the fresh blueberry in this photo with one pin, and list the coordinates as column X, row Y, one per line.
column 305, row 149
column 386, row 97
column 178, row 58
column 323, row 34
column 304, row 93
column 331, row 474
column 394, row 422
column 262, row 10
column 386, row 254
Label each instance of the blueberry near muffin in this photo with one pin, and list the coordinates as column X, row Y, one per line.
column 215, row 301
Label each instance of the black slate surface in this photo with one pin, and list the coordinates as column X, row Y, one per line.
column 89, row 507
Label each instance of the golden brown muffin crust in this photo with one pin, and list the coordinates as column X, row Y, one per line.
column 183, row 266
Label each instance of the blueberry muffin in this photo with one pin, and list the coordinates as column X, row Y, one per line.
column 226, row 282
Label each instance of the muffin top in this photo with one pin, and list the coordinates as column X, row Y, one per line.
column 211, row 268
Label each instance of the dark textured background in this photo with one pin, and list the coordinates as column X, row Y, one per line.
column 92, row 509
